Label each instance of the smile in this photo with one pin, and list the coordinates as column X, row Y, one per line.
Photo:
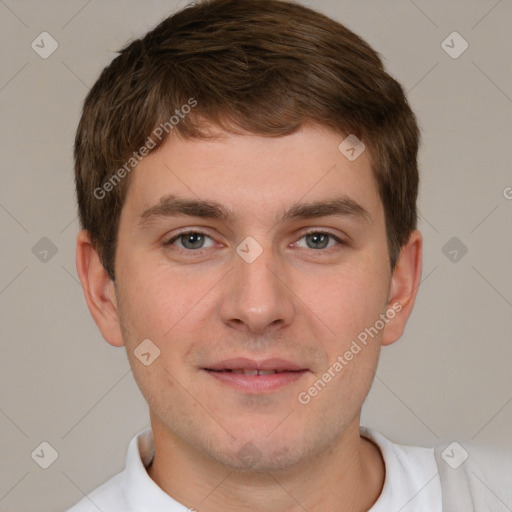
column 249, row 372
column 255, row 381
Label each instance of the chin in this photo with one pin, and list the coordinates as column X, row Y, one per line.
column 253, row 459
column 259, row 451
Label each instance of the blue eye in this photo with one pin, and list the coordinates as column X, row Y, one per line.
column 319, row 240
column 194, row 241
column 190, row 240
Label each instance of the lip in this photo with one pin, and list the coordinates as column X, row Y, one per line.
column 242, row 363
column 256, row 384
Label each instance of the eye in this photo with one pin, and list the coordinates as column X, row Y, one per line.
column 320, row 240
column 194, row 241
column 190, row 240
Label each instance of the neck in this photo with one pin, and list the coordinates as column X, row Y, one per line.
column 348, row 477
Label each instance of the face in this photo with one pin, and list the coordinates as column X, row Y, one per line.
column 256, row 280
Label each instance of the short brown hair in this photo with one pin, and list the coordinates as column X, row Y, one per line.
column 260, row 66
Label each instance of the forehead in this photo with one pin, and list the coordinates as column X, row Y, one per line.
column 255, row 175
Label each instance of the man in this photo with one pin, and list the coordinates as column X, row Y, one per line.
column 247, row 178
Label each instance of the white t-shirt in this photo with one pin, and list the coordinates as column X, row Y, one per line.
column 411, row 482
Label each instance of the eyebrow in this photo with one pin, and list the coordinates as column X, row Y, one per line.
column 173, row 206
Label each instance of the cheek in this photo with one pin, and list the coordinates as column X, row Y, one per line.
column 162, row 303
column 150, row 310
column 149, row 307
column 349, row 300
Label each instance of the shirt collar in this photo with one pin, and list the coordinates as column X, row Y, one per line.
column 409, row 473
column 139, row 490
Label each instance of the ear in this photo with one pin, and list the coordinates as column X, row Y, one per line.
column 404, row 285
column 98, row 289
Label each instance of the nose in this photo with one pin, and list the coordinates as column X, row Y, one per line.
column 257, row 297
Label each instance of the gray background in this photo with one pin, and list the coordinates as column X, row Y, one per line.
column 447, row 379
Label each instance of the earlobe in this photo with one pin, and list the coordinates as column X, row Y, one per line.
column 99, row 290
column 404, row 286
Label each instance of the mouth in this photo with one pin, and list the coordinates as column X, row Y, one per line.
column 252, row 376
column 244, row 371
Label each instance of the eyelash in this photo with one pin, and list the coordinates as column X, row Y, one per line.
column 199, row 251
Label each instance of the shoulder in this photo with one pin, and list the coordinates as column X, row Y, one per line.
column 468, row 475
column 107, row 498
column 482, row 472
column 123, row 488
column 407, row 457
column 411, row 475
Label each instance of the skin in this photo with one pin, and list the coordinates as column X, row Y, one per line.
column 304, row 303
